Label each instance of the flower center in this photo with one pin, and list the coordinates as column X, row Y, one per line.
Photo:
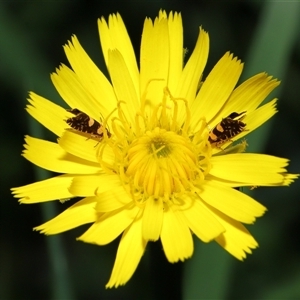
column 161, row 163
column 164, row 160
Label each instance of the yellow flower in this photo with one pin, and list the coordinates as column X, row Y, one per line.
column 156, row 173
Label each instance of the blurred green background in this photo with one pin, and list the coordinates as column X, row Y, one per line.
column 263, row 34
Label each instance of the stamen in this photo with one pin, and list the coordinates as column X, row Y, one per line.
column 153, row 120
column 143, row 97
column 122, row 116
column 161, row 160
column 186, row 124
column 105, row 123
column 138, row 128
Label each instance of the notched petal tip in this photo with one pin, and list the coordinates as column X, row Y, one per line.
column 162, row 14
column 230, row 56
column 17, row 194
column 202, row 31
column 237, row 240
column 289, row 178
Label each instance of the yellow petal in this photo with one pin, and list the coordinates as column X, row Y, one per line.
column 176, row 51
column 237, row 240
column 162, row 14
column 250, row 169
column 154, row 59
column 231, row 202
column 110, row 225
column 247, row 96
column 85, row 186
column 259, row 116
column 101, row 94
column 112, row 199
column 289, row 178
column 80, row 213
column 193, row 69
column 216, row 88
column 123, row 84
column 176, row 237
column 45, row 190
column 152, row 219
column 70, row 88
column 201, row 220
column 51, row 156
column 115, row 36
column 80, row 146
column 191, row 74
column 91, row 185
column 47, row 113
column 131, row 248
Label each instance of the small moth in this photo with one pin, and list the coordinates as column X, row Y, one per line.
column 83, row 123
column 228, row 128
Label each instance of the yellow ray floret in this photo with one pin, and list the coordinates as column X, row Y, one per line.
column 80, row 213
column 51, row 156
column 250, row 169
column 46, row 190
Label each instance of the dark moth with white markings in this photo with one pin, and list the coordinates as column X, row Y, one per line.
column 83, row 123
column 228, row 128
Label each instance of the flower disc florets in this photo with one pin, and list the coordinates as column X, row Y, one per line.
column 164, row 160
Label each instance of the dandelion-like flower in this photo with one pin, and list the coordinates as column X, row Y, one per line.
column 150, row 150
